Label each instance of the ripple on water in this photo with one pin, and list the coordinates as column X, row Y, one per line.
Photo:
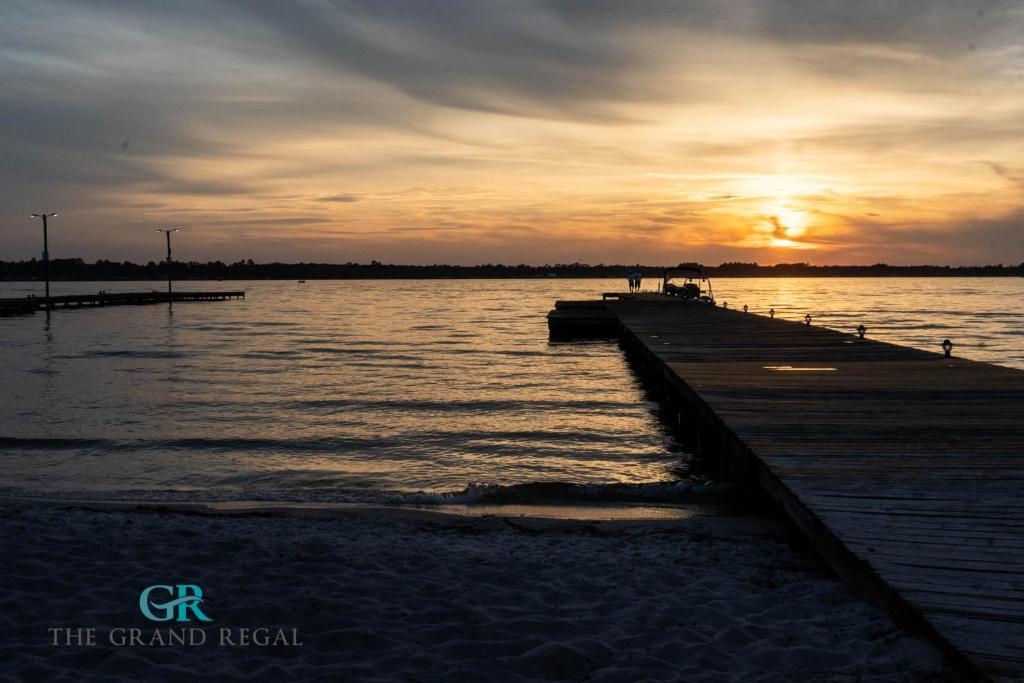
column 344, row 390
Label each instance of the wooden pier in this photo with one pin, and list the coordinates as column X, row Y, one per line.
column 32, row 304
column 904, row 468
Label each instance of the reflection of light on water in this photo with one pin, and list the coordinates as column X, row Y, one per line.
column 593, row 513
column 982, row 316
column 338, row 390
column 333, row 390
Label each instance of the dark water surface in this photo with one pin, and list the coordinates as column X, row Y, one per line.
column 361, row 390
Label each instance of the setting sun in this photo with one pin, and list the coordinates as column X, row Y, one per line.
column 623, row 136
column 791, row 222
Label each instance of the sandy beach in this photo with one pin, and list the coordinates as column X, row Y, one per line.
column 380, row 595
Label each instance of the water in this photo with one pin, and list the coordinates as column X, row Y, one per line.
column 370, row 390
column 983, row 317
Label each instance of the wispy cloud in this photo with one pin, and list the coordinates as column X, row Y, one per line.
column 539, row 130
column 338, row 198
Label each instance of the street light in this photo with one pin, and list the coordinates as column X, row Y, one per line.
column 168, row 232
column 46, row 253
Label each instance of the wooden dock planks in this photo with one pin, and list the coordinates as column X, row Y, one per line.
column 905, row 468
column 32, row 304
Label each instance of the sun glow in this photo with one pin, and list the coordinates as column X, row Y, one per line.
column 790, row 222
column 790, row 244
column 780, row 225
column 631, row 137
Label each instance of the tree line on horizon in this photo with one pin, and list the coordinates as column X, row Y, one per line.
column 77, row 269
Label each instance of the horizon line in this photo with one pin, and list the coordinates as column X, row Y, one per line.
column 727, row 265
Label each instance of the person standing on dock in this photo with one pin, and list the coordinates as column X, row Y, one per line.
column 638, row 279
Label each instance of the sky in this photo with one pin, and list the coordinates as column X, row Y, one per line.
column 534, row 131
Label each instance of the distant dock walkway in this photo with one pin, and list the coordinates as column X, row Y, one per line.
column 904, row 468
column 26, row 305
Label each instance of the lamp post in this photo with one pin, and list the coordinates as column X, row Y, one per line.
column 46, row 253
column 168, row 232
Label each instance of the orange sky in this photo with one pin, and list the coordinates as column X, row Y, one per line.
column 516, row 131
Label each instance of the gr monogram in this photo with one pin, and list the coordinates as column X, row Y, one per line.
column 182, row 599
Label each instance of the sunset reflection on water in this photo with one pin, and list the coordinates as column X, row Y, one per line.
column 353, row 390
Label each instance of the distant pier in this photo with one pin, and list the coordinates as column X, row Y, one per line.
column 25, row 305
column 904, row 468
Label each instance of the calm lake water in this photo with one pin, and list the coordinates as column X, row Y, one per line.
column 363, row 390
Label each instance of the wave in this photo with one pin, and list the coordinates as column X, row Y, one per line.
column 686, row 491
column 46, row 444
column 463, row 405
column 319, row 445
column 480, row 441
column 681, row 491
column 130, row 354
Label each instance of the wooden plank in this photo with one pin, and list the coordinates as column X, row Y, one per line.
column 904, row 467
column 112, row 299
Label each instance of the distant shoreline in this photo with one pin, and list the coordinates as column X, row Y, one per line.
column 77, row 270
column 426, row 278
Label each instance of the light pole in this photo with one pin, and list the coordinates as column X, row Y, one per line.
column 168, row 232
column 46, row 253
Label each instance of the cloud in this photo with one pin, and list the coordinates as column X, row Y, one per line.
column 779, row 231
column 1014, row 174
column 531, row 126
column 338, row 198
